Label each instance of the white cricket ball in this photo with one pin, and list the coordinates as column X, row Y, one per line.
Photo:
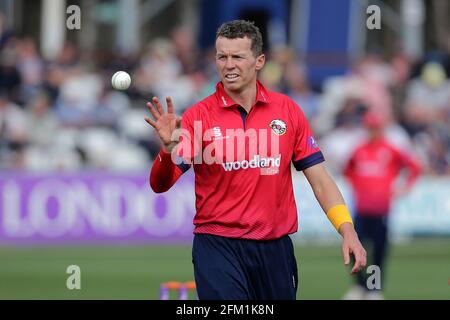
column 121, row 80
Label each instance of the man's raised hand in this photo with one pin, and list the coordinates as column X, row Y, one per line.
column 166, row 125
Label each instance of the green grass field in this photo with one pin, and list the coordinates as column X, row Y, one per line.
column 418, row 270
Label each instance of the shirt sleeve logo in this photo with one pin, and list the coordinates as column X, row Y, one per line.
column 278, row 126
column 312, row 142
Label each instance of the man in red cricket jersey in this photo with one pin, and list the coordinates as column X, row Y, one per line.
column 241, row 141
column 372, row 171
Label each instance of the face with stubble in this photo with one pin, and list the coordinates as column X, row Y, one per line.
column 237, row 64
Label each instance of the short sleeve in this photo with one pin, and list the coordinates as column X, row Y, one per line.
column 306, row 150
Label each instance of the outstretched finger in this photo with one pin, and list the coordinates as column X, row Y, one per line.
column 359, row 263
column 151, row 122
column 169, row 105
column 363, row 258
column 158, row 105
column 152, row 110
column 356, row 267
column 346, row 255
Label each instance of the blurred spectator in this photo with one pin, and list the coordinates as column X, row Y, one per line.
column 5, row 33
column 79, row 99
column 298, row 89
column 401, row 71
column 13, row 132
column 42, row 125
column 209, row 71
column 10, row 79
column 376, row 77
column 183, row 40
column 44, row 151
column 339, row 143
column 428, row 98
column 336, row 92
column 161, row 71
column 432, row 146
column 271, row 76
column 31, row 68
column 427, row 117
column 2, row 28
column 68, row 57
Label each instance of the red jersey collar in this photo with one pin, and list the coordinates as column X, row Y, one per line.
column 262, row 95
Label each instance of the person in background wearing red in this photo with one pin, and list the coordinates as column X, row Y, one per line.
column 373, row 170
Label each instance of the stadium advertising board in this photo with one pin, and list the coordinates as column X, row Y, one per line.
column 99, row 207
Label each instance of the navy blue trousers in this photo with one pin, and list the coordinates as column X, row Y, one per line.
column 372, row 232
column 240, row 269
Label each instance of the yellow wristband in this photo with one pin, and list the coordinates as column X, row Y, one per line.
column 338, row 215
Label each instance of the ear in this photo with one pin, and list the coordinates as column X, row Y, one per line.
column 260, row 61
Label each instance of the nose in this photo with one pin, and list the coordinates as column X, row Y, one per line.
column 230, row 63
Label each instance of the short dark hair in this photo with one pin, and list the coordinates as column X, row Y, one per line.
column 241, row 29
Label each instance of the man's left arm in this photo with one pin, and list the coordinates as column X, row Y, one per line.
column 333, row 204
column 413, row 167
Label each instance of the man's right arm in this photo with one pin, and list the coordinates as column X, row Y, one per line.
column 164, row 173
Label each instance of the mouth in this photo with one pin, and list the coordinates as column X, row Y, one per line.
column 231, row 76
